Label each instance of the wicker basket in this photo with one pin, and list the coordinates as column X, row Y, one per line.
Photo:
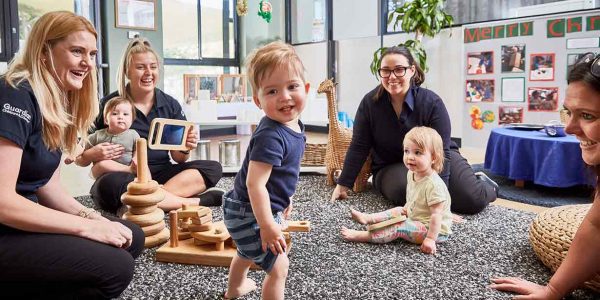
column 314, row 155
column 552, row 232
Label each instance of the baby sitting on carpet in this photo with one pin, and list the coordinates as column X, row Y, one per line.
column 427, row 198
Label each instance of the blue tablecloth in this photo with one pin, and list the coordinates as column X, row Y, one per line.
column 534, row 156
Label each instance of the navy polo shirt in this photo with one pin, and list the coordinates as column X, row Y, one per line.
column 21, row 123
column 164, row 106
column 280, row 146
column 379, row 131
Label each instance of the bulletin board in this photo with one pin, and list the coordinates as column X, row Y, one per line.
column 515, row 71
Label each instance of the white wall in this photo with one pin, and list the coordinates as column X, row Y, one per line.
column 316, row 65
column 355, row 18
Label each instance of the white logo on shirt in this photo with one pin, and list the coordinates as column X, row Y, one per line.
column 21, row 113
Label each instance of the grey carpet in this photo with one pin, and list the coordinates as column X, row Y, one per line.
column 323, row 266
column 538, row 194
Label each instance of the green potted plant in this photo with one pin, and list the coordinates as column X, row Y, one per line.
column 424, row 18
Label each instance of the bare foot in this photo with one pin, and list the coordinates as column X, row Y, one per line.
column 247, row 286
column 355, row 235
column 359, row 217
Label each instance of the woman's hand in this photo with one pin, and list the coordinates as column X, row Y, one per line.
column 527, row 289
column 272, row 239
column 340, row 192
column 104, row 151
column 428, row 246
column 104, row 231
column 191, row 141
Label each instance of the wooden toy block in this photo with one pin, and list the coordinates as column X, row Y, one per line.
column 143, row 172
column 184, row 235
column 173, row 229
column 202, row 220
column 153, row 229
column 142, row 210
column 143, row 200
column 298, row 226
column 197, row 228
column 142, row 188
column 157, row 239
column 386, row 223
column 147, row 219
column 198, row 212
column 217, row 234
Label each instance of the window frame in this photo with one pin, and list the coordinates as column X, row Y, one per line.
column 214, row 61
column 328, row 23
column 10, row 30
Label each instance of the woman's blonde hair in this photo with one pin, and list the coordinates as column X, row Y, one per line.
column 112, row 103
column 65, row 114
column 428, row 138
column 269, row 57
column 135, row 46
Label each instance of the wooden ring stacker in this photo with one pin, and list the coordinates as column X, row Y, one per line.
column 157, row 239
column 145, row 220
column 143, row 200
column 142, row 188
column 153, row 229
column 142, row 210
column 386, row 223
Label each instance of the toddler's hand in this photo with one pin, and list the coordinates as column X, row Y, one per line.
column 428, row 246
column 404, row 212
column 272, row 239
column 287, row 213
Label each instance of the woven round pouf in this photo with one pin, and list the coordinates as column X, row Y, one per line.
column 552, row 232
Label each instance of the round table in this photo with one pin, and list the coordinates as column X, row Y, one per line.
column 534, row 156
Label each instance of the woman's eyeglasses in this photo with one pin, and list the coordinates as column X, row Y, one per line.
column 595, row 59
column 399, row 71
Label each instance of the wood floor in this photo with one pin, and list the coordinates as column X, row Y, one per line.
column 78, row 180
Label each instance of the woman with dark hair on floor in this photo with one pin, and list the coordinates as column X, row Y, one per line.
column 383, row 118
column 582, row 103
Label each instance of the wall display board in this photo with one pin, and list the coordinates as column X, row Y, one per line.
column 529, row 60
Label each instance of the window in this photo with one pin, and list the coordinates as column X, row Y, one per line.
column 199, row 37
column 308, row 21
column 200, row 32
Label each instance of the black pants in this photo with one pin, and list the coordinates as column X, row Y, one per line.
column 469, row 194
column 57, row 266
column 108, row 188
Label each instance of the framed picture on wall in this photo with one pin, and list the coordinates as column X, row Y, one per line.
column 510, row 114
column 542, row 99
column 200, row 87
column 480, row 62
column 541, row 67
column 513, row 89
column 233, row 88
column 138, row 14
column 513, row 58
column 478, row 90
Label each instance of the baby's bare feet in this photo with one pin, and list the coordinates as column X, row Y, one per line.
column 354, row 235
column 359, row 217
column 247, row 286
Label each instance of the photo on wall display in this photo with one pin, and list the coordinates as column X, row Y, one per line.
column 541, row 67
column 195, row 86
column 510, row 114
column 513, row 58
column 542, row 98
column 478, row 90
column 480, row 62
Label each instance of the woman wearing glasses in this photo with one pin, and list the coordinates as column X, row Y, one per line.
column 582, row 103
column 385, row 115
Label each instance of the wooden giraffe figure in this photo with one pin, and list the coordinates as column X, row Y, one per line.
column 338, row 141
